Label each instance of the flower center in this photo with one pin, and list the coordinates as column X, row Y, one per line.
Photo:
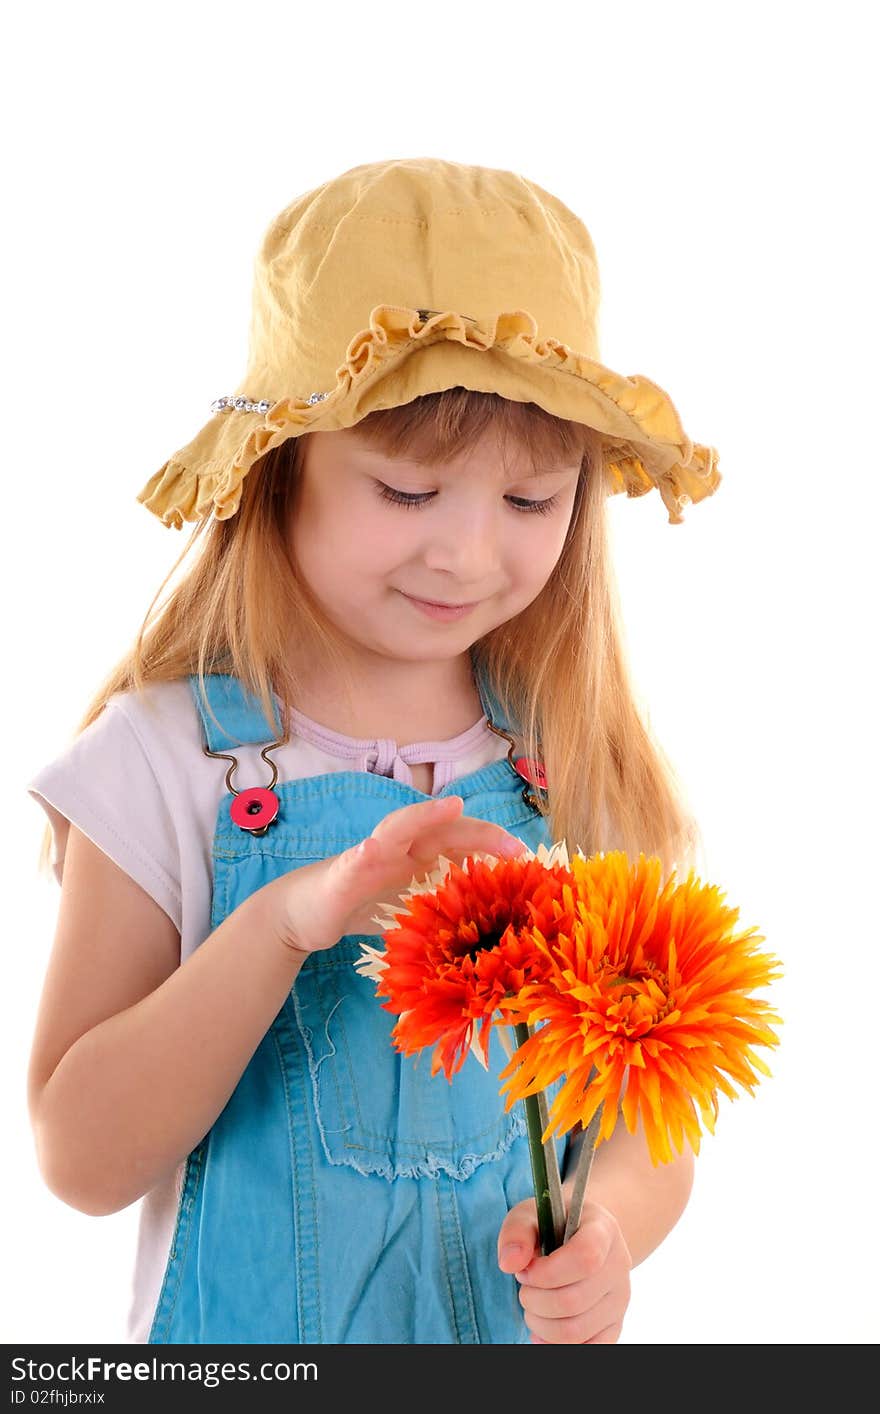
column 481, row 944
column 637, row 1001
column 475, row 936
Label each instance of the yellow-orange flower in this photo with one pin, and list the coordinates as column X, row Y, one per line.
column 645, row 1002
column 459, row 948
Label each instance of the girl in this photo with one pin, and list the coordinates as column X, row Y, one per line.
column 398, row 639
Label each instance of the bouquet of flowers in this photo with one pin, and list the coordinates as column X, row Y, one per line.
column 635, row 993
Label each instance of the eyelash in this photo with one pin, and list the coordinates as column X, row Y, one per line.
column 413, row 501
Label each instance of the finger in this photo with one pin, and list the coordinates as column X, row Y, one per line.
column 376, row 862
column 518, row 1237
column 410, row 820
column 427, row 853
column 467, row 835
column 471, row 836
column 514, row 1255
column 397, row 831
column 583, row 1256
column 401, row 828
column 592, row 1326
column 562, row 1302
column 430, row 828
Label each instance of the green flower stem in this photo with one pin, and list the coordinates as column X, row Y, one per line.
column 554, row 1177
column 545, row 1167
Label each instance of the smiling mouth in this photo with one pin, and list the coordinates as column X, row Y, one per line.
column 439, row 603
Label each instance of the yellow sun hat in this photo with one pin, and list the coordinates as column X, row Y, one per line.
column 408, row 277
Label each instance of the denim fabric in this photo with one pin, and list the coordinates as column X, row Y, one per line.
column 344, row 1195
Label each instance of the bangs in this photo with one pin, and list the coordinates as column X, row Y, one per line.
column 432, row 428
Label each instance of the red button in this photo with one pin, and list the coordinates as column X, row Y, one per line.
column 254, row 809
column 531, row 771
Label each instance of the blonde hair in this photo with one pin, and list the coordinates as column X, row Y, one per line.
column 558, row 667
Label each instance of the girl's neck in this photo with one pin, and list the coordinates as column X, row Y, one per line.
column 406, row 702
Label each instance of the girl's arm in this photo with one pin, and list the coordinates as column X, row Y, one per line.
column 135, row 1055
column 646, row 1201
column 157, row 1047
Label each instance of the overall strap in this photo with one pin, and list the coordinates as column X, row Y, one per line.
column 491, row 703
column 238, row 711
column 529, row 769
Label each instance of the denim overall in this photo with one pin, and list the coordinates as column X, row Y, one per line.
column 345, row 1195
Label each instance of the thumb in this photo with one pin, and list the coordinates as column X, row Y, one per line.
column 518, row 1238
column 358, row 868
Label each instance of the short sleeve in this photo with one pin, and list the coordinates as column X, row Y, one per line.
column 106, row 785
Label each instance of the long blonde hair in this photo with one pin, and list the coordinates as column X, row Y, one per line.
column 558, row 667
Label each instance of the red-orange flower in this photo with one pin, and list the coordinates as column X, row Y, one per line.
column 460, row 948
column 648, row 998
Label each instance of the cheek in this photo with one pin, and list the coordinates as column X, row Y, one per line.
column 346, row 539
column 318, row 527
column 375, row 538
column 544, row 549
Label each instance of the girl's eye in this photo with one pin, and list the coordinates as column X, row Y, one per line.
column 411, row 499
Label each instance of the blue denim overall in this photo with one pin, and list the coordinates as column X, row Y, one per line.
column 344, row 1195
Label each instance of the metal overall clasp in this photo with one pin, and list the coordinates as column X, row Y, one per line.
column 530, row 771
column 256, row 807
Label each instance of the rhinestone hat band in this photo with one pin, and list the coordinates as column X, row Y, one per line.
column 242, row 404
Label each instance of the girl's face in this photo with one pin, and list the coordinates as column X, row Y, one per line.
column 373, row 536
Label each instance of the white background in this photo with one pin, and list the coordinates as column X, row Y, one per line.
column 724, row 159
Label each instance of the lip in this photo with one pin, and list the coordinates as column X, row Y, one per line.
column 445, row 612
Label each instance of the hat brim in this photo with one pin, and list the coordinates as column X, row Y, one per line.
column 403, row 355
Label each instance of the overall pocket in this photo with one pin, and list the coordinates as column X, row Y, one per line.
column 377, row 1110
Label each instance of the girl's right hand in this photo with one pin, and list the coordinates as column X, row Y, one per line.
column 320, row 903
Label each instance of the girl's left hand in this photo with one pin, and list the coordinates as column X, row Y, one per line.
column 577, row 1295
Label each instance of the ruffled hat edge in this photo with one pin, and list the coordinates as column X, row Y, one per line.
column 644, row 442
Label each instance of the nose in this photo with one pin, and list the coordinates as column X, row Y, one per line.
column 466, row 545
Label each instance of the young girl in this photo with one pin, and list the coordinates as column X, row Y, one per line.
column 398, row 639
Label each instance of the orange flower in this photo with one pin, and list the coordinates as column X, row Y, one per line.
column 462, row 945
column 646, row 997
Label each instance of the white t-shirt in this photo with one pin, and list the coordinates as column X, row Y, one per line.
column 138, row 783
